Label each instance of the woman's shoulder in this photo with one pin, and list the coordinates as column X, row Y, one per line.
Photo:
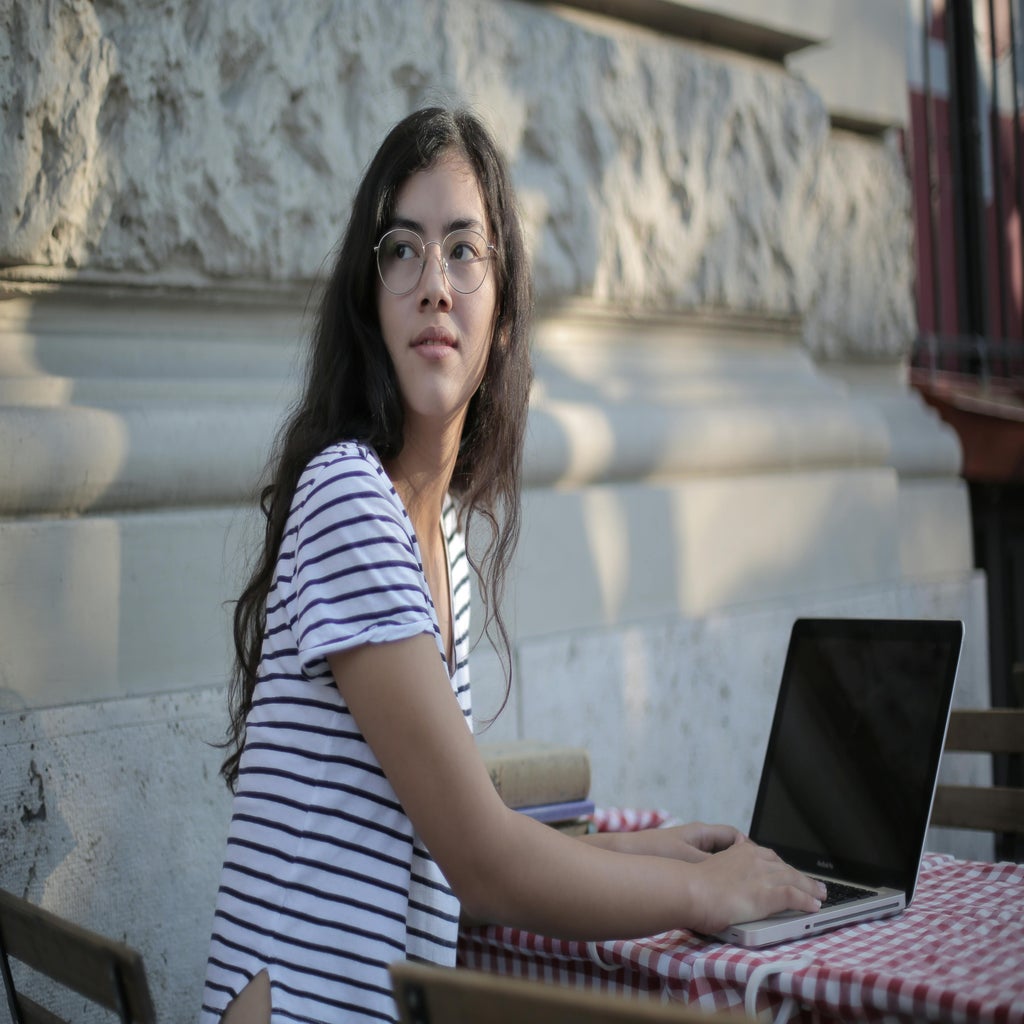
column 344, row 471
column 347, row 460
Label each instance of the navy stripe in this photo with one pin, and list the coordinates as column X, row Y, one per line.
column 302, row 969
column 433, row 939
column 425, row 908
column 288, row 910
column 338, row 787
column 317, row 730
column 429, row 883
column 333, row 812
column 320, row 837
column 302, row 702
column 356, row 545
column 336, row 525
column 355, row 595
column 339, row 1004
column 322, row 866
column 353, row 620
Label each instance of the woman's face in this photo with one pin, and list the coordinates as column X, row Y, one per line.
column 439, row 338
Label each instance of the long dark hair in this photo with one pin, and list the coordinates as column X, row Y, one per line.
column 351, row 391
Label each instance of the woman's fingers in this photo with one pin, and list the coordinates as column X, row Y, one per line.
column 720, row 837
column 709, row 838
column 747, row 882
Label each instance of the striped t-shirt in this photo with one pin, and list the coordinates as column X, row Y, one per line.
column 324, row 881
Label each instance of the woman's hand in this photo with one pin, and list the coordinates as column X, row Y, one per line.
column 696, row 841
column 747, row 882
column 734, row 879
column 693, row 842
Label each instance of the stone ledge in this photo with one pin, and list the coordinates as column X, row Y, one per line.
column 112, row 405
column 742, row 27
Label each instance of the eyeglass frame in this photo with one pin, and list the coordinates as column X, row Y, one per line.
column 492, row 251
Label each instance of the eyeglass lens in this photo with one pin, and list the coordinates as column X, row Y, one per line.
column 401, row 256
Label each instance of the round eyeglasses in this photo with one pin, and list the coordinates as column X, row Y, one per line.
column 401, row 256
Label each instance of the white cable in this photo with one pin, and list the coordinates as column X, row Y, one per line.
column 757, row 979
column 592, row 953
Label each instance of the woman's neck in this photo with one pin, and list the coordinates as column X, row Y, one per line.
column 421, row 474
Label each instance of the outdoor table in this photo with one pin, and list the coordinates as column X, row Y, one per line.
column 955, row 954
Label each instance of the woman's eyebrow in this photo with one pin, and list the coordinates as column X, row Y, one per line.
column 458, row 224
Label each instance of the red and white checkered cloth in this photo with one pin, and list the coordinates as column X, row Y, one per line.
column 956, row 954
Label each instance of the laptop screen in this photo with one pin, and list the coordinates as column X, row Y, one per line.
column 855, row 745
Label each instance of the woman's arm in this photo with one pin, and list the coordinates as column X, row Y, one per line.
column 504, row 866
column 694, row 841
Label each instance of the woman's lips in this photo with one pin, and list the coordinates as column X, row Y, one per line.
column 434, row 342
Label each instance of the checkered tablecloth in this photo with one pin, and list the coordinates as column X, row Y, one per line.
column 956, row 954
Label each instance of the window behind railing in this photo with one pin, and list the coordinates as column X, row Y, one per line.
column 966, row 151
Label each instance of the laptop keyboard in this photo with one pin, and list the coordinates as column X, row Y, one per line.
column 840, row 893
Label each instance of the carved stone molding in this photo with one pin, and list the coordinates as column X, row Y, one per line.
column 220, row 143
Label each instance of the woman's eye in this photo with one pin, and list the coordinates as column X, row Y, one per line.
column 462, row 251
column 404, row 251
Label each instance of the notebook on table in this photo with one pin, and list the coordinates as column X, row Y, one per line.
column 851, row 765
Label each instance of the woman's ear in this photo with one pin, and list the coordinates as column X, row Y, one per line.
column 500, row 336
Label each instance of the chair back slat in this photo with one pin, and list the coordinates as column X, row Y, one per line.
column 998, row 809
column 32, row 1013
column 995, row 731
column 108, row 973
column 445, row 995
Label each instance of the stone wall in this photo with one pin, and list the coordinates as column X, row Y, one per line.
column 186, row 142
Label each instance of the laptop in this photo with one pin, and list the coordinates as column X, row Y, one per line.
column 851, row 765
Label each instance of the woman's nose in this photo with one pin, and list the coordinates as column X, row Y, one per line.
column 434, row 281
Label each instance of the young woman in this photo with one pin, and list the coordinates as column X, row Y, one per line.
column 364, row 819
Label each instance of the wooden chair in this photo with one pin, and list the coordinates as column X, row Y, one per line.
column 105, row 972
column 998, row 809
column 445, row 995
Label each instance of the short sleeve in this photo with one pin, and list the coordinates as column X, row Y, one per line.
column 357, row 574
